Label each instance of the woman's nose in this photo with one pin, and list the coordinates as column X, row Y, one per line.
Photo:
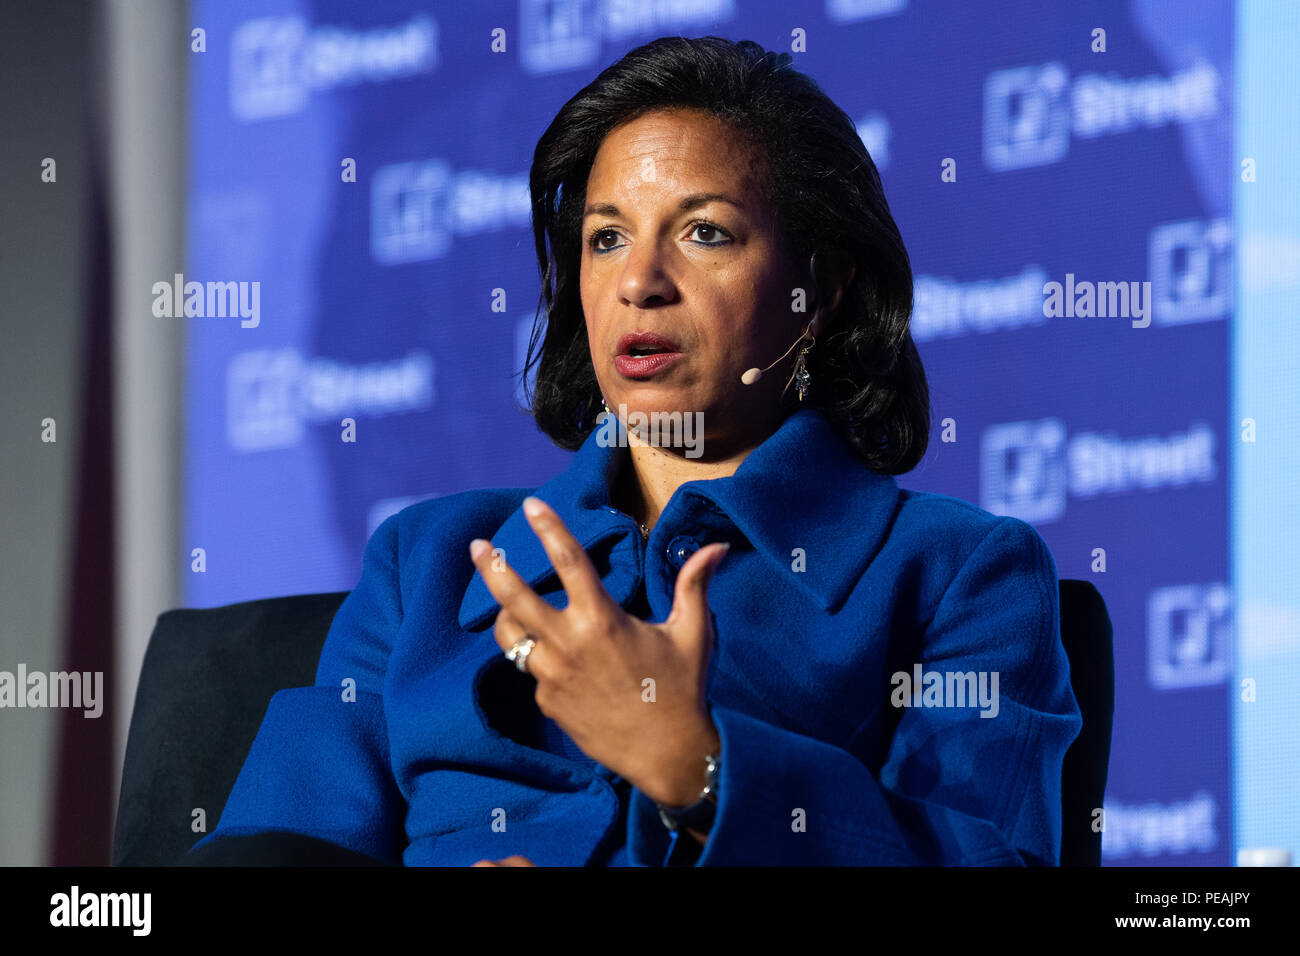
column 645, row 275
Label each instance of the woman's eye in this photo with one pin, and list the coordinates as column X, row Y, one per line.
column 718, row 236
column 596, row 237
column 707, row 234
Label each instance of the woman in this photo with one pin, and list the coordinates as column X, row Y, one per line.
column 738, row 646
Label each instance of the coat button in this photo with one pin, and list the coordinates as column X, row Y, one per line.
column 680, row 549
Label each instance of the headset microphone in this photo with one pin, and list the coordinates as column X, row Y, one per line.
column 754, row 374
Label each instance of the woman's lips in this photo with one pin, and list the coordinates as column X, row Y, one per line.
column 645, row 341
column 660, row 353
column 645, row 366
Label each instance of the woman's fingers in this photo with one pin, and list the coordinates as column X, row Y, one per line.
column 576, row 572
column 511, row 591
column 690, row 593
column 508, row 861
column 508, row 631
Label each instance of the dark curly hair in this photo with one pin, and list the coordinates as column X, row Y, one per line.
column 867, row 377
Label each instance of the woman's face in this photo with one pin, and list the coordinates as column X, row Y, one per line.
column 679, row 243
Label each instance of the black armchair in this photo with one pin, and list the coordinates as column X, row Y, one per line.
column 209, row 675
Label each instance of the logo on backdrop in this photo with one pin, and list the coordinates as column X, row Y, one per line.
column 272, row 395
column 558, row 35
column 1029, row 469
column 1152, row 829
column 1189, row 635
column 946, row 307
column 1190, row 265
column 416, row 208
column 276, row 63
column 1189, row 270
column 1030, row 112
column 846, row 11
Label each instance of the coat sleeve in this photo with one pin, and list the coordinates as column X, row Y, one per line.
column 320, row 764
column 954, row 787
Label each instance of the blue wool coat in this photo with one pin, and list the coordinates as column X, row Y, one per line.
column 837, row 580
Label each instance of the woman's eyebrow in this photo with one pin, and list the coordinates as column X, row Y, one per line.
column 693, row 201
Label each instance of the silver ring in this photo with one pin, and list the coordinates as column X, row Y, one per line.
column 519, row 653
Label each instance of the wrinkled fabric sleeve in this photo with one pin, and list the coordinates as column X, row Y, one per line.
column 955, row 788
column 320, row 765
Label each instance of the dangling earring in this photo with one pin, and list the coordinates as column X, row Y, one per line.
column 801, row 377
column 605, row 405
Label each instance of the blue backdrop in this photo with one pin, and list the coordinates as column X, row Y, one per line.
column 1019, row 147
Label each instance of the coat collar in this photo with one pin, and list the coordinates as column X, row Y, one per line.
column 801, row 488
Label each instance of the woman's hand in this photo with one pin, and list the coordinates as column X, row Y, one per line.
column 631, row 694
column 515, row 860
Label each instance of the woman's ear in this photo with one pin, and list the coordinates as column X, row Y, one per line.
column 840, row 279
column 838, row 272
